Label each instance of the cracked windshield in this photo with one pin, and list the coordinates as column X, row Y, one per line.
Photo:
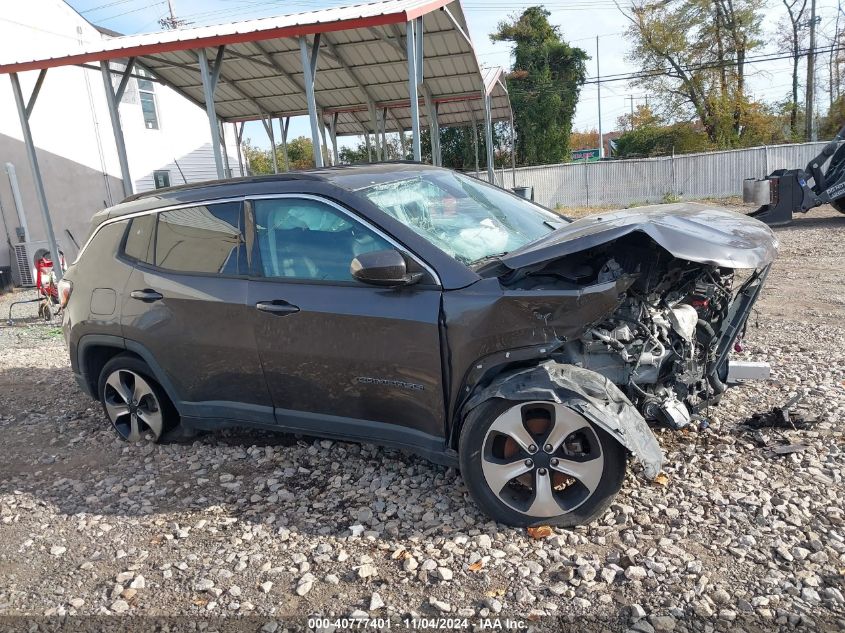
column 464, row 217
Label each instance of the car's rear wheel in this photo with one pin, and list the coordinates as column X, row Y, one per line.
column 535, row 463
column 133, row 401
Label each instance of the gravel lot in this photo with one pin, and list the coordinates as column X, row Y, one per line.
column 245, row 523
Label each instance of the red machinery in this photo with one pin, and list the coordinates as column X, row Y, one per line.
column 47, row 287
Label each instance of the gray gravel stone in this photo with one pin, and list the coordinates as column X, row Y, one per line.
column 444, row 573
column 735, row 534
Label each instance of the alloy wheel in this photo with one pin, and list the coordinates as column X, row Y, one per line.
column 132, row 405
column 542, row 459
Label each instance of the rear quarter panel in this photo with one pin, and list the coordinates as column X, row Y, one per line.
column 98, row 279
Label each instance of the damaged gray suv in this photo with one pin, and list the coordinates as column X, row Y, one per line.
column 421, row 309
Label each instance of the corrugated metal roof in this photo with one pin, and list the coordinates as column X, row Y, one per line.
column 362, row 59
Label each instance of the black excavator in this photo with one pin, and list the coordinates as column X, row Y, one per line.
column 788, row 191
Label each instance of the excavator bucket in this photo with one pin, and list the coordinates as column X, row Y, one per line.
column 787, row 191
column 780, row 193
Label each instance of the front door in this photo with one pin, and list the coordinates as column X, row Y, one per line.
column 185, row 304
column 342, row 358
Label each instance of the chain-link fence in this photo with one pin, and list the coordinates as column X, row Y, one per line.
column 650, row 180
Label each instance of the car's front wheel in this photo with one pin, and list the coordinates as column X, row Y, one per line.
column 535, row 463
column 134, row 402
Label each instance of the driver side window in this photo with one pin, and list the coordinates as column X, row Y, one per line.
column 301, row 238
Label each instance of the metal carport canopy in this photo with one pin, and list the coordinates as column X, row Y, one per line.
column 362, row 62
column 355, row 70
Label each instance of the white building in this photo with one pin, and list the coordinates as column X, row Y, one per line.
column 167, row 136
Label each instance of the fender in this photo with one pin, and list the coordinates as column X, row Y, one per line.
column 589, row 393
column 108, row 340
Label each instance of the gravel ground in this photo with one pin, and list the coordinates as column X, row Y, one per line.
column 271, row 526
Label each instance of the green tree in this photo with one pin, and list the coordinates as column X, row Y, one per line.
column 354, row 155
column 456, row 148
column 260, row 161
column 649, row 135
column 653, row 139
column 359, row 153
column 834, row 120
column 544, row 86
column 693, row 56
column 300, row 153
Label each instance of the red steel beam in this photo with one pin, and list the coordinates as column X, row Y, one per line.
column 296, row 30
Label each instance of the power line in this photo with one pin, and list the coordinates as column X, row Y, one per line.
column 550, row 89
column 144, row 8
column 106, row 6
column 711, row 65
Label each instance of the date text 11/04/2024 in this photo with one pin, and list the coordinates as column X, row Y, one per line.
column 417, row 624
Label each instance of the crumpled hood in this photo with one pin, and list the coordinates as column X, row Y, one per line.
column 690, row 231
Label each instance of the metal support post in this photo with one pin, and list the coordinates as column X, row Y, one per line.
column 436, row 135
column 414, row 51
column 513, row 153
column 239, row 146
column 474, row 137
column 371, row 107
column 209, row 85
column 324, row 138
column 268, row 127
column 333, row 134
column 113, row 100
column 24, row 110
column 16, row 197
column 309, row 70
column 384, row 133
column 222, row 127
column 284, row 125
column 433, row 126
column 488, row 129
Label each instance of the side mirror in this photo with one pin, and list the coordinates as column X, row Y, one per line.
column 383, row 268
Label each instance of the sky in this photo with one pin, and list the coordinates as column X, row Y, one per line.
column 579, row 22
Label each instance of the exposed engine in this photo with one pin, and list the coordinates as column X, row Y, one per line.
column 659, row 345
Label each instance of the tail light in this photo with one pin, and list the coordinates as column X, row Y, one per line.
column 65, row 288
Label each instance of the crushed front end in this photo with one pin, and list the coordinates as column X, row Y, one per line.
column 687, row 278
column 667, row 344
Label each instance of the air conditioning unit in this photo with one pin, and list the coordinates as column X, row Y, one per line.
column 24, row 254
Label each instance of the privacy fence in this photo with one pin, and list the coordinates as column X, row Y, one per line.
column 649, row 180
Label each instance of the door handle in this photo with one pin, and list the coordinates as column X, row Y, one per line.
column 277, row 306
column 146, row 295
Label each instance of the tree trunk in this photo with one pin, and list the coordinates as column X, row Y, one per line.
column 720, row 52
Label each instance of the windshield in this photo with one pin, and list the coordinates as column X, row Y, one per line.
column 468, row 219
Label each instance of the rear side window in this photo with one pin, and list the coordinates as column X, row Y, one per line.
column 139, row 243
column 202, row 239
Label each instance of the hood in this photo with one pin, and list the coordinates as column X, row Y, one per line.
column 690, row 231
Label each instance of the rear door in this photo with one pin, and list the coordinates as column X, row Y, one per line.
column 185, row 303
column 342, row 357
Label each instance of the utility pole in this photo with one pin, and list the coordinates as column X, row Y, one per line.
column 598, row 90
column 809, row 132
column 631, row 99
column 171, row 22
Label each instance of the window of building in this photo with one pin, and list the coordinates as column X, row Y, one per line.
column 146, row 92
column 202, row 239
column 139, row 243
column 161, row 178
column 309, row 239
